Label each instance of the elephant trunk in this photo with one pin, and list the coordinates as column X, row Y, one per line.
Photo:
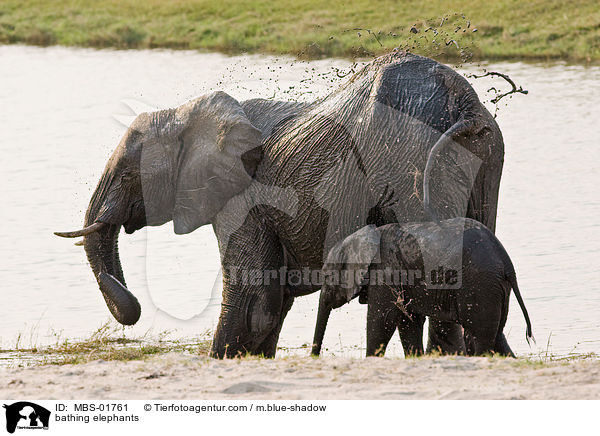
column 102, row 251
column 321, row 325
column 103, row 254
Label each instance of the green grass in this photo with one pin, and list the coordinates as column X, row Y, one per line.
column 106, row 343
column 506, row 29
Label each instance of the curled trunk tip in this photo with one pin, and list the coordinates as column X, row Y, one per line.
column 122, row 304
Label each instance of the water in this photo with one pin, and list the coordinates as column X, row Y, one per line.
column 58, row 109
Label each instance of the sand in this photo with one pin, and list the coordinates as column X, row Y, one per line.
column 185, row 376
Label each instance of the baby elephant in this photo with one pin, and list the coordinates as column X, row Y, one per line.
column 455, row 270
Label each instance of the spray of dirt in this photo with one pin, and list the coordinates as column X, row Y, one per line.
column 451, row 39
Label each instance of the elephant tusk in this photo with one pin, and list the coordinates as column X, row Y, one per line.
column 83, row 232
column 79, row 243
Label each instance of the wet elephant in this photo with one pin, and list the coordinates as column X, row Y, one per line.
column 281, row 183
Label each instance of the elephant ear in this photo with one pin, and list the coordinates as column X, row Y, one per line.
column 220, row 151
column 353, row 256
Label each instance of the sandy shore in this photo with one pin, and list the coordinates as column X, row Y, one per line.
column 178, row 375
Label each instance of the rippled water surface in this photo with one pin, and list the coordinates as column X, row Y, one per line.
column 63, row 111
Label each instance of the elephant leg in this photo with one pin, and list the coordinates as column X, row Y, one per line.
column 411, row 334
column 253, row 296
column 484, row 341
column 268, row 347
column 485, row 344
column 483, row 201
column 445, row 337
column 381, row 324
column 483, row 331
column 379, row 333
column 501, row 346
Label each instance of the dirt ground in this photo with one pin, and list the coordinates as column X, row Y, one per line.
column 181, row 375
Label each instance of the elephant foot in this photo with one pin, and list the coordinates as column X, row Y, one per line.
column 502, row 348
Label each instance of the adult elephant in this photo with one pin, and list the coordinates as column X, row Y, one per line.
column 281, row 183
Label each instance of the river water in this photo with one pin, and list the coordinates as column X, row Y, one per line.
column 63, row 111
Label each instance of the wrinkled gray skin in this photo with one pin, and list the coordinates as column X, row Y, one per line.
column 476, row 298
column 356, row 157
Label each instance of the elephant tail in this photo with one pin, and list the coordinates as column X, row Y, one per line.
column 512, row 278
column 463, row 127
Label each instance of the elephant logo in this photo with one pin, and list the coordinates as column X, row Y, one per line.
column 26, row 415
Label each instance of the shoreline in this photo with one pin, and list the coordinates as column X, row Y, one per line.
column 190, row 376
column 444, row 31
column 455, row 60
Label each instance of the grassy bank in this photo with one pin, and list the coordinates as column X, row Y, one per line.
column 108, row 343
column 536, row 29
